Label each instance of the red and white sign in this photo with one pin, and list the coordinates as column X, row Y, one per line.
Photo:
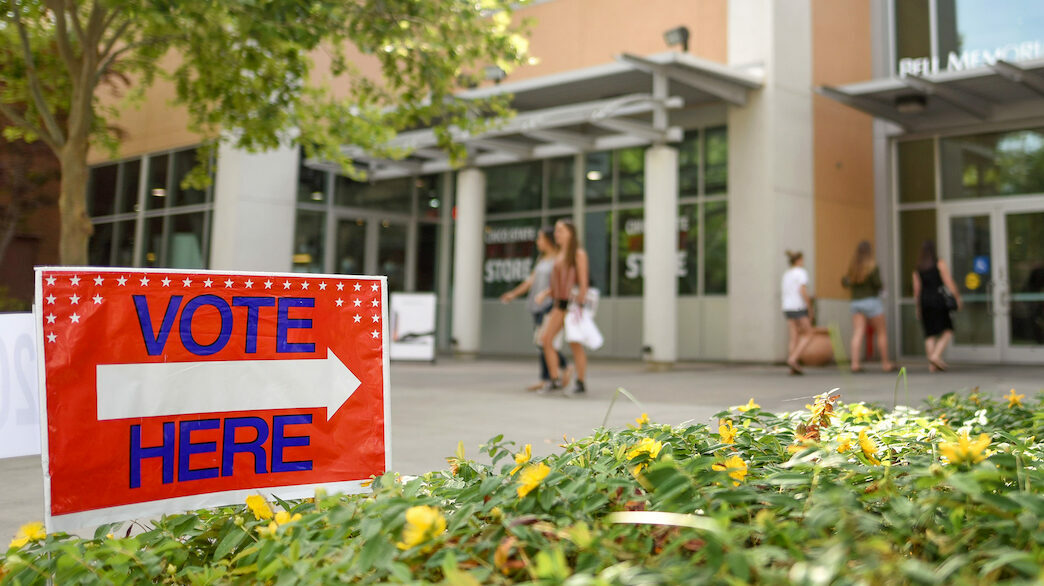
column 169, row 390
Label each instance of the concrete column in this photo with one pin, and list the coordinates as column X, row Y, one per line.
column 770, row 170
column 467, row 260
column 254, row 210
column 660, row 292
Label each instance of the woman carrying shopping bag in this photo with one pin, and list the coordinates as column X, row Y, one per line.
column 570, row 270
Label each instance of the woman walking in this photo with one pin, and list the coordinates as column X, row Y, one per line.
column 570, row 271
column 797, row 308
column 931, row 284
column 864, row 282
column 540, row 280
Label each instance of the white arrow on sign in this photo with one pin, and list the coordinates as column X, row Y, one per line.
column 128, row 391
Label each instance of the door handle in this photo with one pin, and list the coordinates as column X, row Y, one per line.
column 1005, row 300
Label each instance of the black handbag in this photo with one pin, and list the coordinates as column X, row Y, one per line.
column 948, row 299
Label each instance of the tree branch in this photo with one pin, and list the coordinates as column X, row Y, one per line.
column 109, row 44
column 77, row 25
column 64, row 48
column 50, row 123
column 19, row 120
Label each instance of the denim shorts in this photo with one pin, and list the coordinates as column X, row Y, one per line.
column 868, row 306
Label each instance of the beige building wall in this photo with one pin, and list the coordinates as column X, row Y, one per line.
column 564, row 35
column 842, row 141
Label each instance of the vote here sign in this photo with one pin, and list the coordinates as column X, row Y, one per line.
column 169, row 390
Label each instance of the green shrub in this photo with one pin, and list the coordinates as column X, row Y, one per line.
column 836, row 493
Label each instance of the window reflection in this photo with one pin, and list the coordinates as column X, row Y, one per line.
column 994, row 164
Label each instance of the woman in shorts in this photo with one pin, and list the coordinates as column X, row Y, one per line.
column 863, row 281
column 797, row 308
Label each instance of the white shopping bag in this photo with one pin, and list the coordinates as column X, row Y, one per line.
column 581, row 328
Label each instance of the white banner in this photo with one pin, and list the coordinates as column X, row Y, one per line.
column 19, row 398
column 413, row 326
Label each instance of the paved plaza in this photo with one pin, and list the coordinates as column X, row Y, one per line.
column 435, row 406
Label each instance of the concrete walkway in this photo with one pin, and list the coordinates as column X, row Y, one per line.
column 436, row 406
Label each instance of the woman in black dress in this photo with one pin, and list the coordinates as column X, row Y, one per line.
column 931, row 276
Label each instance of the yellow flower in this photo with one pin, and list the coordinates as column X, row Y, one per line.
column 423, row 523
column 259, row 506
column 283, row 517
column 643, row 420
column 646, row 446
column 522, row 458
column 965, row 449
column 33, row 531
column 736, row 468
column 726, row 431
column 844, row 443
column 750, row 405
column 861, row 412
column 531, row 477
column 1013, row 399
column 869, row 448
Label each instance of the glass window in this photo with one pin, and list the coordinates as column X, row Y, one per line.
column 124, row 243
column 184, row 162
column 716, row 160
column 560, row 182
column 393, row 195
column 913, row 38
column 99, row 249
column 631, row 174
column 975, row 33
column 688, row 250
column 351, row 247
column 185, row 247
column 994, row 164
column 916, row 171
column 689, row 165
column 429, row 196
column 510, row 252
column 716, row 248
column 427, row 256
column 129, row 185
column 630, row 248
column 915, row 226
column 912, row 335
column 156, row 194
column 311, row 183
column 598, row 242
column 309, row 241
column 102, row 187
column 598, row 177
column 391, row 254
column 152, row 243
column 514, row 188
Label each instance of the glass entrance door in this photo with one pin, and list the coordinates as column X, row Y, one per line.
column 996, row 254
column 1022, row 299
column 375, row 246
column 969, row 248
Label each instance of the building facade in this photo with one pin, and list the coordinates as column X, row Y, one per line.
column 688, row 171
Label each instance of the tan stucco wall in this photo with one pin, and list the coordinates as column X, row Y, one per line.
column 842, row 141
column 564, row 35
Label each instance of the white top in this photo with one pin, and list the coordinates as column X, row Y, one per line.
column 793, row 279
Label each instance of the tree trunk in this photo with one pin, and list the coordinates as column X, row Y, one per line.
column 72, row 203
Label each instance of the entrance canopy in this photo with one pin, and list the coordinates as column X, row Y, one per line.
column 616, row 105
column 995, row 93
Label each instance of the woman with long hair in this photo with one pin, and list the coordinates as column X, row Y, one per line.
column 571, row 270
column 931, row 281
column 864, row 281
column 797, row 308
column 539, row 280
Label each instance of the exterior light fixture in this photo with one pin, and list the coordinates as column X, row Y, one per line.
column 317, row 196
column 678, row 35
column 159, row 192
column 910, row 104
column 494, row 73
column 594, row 175
column 433, row 202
